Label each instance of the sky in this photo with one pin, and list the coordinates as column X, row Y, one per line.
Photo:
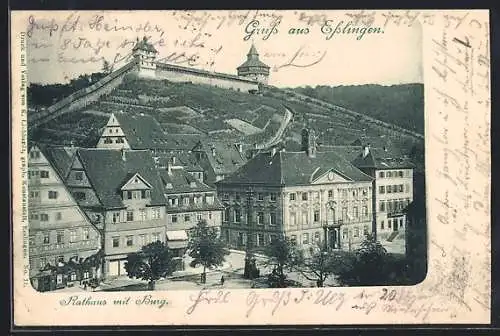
column 63, row 45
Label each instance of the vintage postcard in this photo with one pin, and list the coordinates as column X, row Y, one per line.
column 251, row 167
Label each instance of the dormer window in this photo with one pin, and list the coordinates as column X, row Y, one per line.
column 210, row 199
column 192, row 184
column 169, row 185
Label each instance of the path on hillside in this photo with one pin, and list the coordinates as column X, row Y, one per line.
column 277, row 137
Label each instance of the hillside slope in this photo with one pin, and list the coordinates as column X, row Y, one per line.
column 402, row 105
column 225, row 115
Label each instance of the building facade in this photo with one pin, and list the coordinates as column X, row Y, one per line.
column 61, row 236
column 189, row 201
column 309, row 196
column 218, row 159
column 121, row 192
column 392, row 191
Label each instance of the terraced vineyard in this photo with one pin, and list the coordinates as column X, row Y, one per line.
column 195, row 108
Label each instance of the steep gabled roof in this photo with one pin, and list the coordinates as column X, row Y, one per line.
column 293, row 168
column 59, row 157
column 107, row 171
column 377, row 158
column 227, row 158
column 141, row 130
column 182, row 182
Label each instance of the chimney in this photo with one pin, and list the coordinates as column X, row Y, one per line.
column 366, row 150
column 124, row 156
column 309, row 142
column 273, row 151
column 169, row 167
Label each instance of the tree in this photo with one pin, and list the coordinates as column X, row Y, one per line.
column 106, row 67
column 318, row 266
column 151, row 263
column 368, row 265
column 281, row 254
column 205, row 247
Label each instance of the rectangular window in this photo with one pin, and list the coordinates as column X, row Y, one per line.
column 116, row 217
column 365, row 211
column 174, row 218
column 381, row 174
column 143, row 194
column 316, row 216
column 345, row 233
column 86, row 234
column 317, row 236
column 344, row 213
column 35, row 154
column 272, row 218
column 130, row 240
column 142, row 214
column 382, row 206
column 304, row 196
column 210, row 199
column 187, row 218
column 293, row 239
column 58, row 216
column 389, row 223
column 260, row 218
column 43, row 262
column 330, row 193
column 128, row 195
column 53, row 194
column 389, row 174
column 237, row 215
column 292, row 197
column 79, row 176
column 44, row 174
column 381, row 225
column 394, row 188
column 365, row 230
column 356, row 232
column 60, row 237
column 46, row 238
column 173, row 202
column 44, row 217
column 130, row 216
column 72, row 236
column 155, row 213
column 273, row 197
column 116, row 241
column 237, row 197
column 156, row 236
column 315, row 195
column 79, row 195
column 355, row 212
column 305, row 238
column 142, row 240
column 260, row 239
column 260, row 196
column 225, row 196
column 305, row 218
column 199, row 217
column 381, row 190
column 400, row 222
column 400, row 173
column 226, row 215
column 293, row 218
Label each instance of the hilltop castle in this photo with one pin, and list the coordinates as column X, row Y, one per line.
column 250, row 74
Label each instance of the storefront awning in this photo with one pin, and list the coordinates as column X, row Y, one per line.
column 177, row 235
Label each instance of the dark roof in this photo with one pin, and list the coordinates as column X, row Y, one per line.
column 253, row 59
column 186, row 159
column 107, row 172
column 293, row 168
column 377, row 158
column 227, row 158
column 144, row 45
column 59, row 157
column 141, row 130
column 181, row 182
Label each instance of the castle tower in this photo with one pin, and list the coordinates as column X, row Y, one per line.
column 309, row 142
column 254, row 68
column 145, row 54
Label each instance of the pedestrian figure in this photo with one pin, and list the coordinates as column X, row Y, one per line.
column 222, row 280
column 85, row 285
